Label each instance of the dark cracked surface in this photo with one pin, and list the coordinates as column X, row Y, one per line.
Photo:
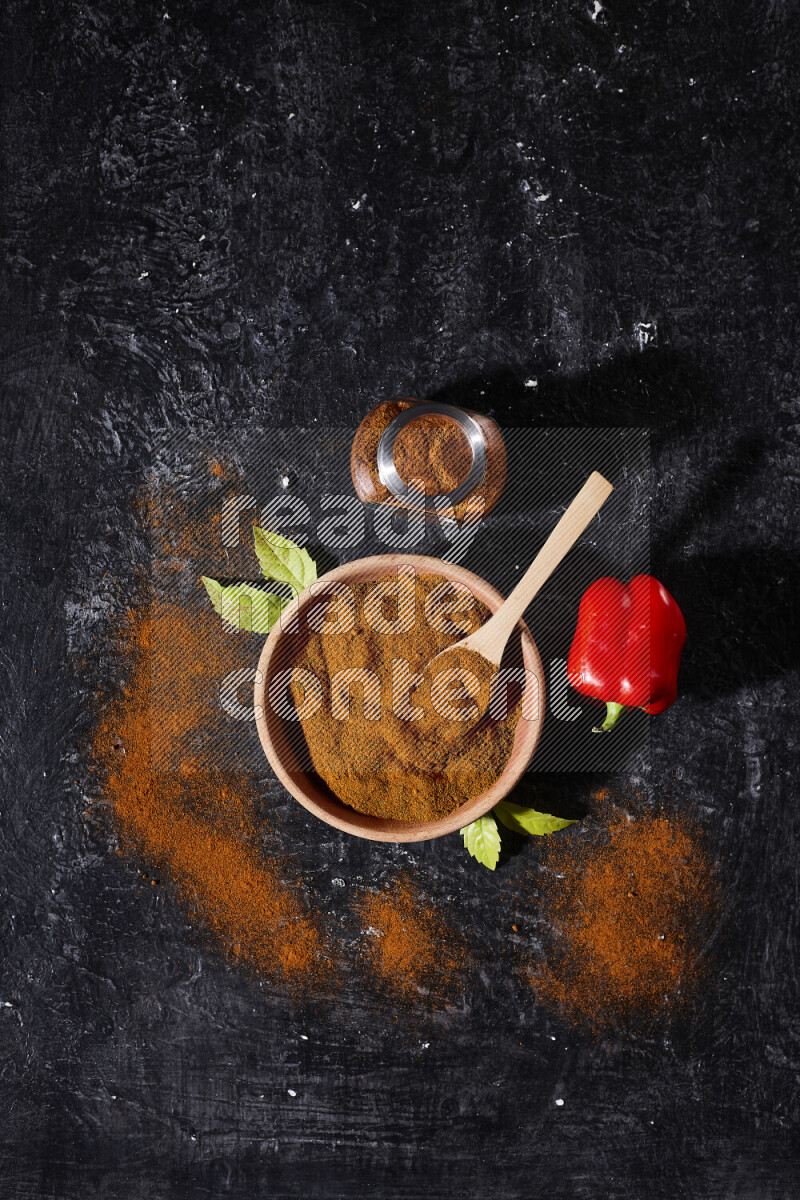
column 223, row 216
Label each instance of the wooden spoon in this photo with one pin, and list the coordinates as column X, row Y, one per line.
column 490, row 640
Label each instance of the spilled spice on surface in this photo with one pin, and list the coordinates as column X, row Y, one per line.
column 167, row 764
column 630, row 918
column 196, row 826
column 409, row 943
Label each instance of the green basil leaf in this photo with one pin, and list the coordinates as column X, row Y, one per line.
column 482, row 839
column 245, row 606
column 215, row 591
column 528, row 820
column 282, row 561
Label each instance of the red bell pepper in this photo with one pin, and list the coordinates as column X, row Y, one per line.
column 627, row 646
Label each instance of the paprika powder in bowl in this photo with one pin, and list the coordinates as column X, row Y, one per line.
column 335, row 699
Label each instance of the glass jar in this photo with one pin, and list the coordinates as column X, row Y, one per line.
column 456, row 453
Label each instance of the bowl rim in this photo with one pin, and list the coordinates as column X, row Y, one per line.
column 332, row 811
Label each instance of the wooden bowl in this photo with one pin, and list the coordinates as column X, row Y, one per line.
column 312, row 793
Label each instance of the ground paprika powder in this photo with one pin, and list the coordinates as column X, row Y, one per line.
column 362, row 739
column 433, row 450
column 629, row 912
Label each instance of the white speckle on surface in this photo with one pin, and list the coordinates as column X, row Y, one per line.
column 303, row 1037
column 426, row 1045
column 144, row 274
column 559, row 1103
column 291, row 117
column 552, row 1036
column 356, row 204
column 291, row 1092
column 115, row 438
column 596, row 10
column 531, row 383
column 646, row 334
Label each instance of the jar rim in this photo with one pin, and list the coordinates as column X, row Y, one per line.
column 388, row 473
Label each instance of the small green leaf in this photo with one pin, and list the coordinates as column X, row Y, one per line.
column 282, row 561
column 482, row 839
column 528, row 820
column 214, row 590
column 244, row 605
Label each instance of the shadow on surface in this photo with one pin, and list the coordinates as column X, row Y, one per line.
column 741, row 612
column 565, row 796
column 661, row 390
column 740, row 607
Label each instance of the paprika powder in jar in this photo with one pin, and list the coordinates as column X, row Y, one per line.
column 458, row 456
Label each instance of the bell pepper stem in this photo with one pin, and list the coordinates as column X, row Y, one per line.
column 613, row 714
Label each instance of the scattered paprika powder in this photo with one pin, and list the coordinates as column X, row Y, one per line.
column 167, row 770
column 629, row 920
column 195, row 824
column 409, row 944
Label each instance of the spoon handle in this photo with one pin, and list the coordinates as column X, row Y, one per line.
column 586, row 505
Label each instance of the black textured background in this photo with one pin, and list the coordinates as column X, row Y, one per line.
column 223, row 214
